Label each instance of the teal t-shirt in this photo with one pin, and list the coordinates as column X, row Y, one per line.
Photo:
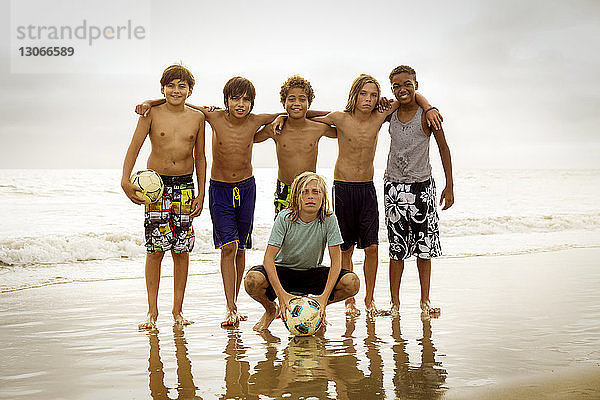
column 302, row 244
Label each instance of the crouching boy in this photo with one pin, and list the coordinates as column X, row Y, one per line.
column 292, row 262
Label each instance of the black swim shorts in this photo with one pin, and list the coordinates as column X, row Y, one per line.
column 355, row 206
column 311, row 281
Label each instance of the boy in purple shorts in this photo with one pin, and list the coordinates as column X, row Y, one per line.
column 176, row 133
column 232, row 190
column 232, row 212
column 410, row 207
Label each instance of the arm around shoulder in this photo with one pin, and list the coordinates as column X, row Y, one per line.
column 332, row 119
column 263, row 134
column 145, row 107
column 264, row 119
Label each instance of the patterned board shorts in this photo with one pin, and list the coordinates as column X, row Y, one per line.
column 282, row 197
column 412, row 220
column 167, row 222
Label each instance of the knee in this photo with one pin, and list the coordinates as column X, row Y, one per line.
column 348, row 252
column 350, row 284
column 372, row 250
column 183, row 256
column 229, row 250
column 254, row 282
column 155, row 257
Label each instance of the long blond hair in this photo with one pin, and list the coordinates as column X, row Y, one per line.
column 296, row 192
column 356, row 87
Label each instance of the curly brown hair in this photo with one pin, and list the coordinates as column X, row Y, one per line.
column 403, row 68
column 297, row 82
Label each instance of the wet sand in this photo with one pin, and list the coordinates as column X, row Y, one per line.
column 519, row 327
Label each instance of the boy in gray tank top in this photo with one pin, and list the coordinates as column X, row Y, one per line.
column 409, row 190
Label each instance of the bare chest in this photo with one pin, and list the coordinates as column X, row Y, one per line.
column 359, row 136
column 297, row 143
column 232, row 140
column 178, row 132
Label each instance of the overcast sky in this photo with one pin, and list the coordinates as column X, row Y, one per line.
column 518, row 82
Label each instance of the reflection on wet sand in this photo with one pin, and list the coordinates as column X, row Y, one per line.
column 313, row 366
column 236, row 368
column 185, row 381
column 425, row 381
column 317, row 367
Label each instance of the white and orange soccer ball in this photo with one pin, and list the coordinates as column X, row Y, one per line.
column 150, row 185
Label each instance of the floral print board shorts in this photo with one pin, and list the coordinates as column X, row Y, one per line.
column 167, row 224
column 411, row 219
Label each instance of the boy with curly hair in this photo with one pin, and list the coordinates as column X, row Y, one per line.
column 297, row 143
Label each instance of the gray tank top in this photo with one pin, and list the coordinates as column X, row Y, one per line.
column 408, row 160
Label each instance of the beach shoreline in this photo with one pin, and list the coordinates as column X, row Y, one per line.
column 502, row 316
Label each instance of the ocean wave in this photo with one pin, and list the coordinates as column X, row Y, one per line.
column 56, row 248
column 498, row 225
column 493, row 232
column 60, row 248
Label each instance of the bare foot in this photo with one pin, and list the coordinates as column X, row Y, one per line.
column 395, row 310
column 373, row 311
column 181, row 321
column 231, row 318
column 433, row 312
column 351, row 310
column 265, row 321
column 149, row 323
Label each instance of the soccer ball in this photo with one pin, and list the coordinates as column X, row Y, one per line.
column 305, row 317
column 150, row 185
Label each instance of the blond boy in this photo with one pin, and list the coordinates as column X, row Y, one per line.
column 294, row 255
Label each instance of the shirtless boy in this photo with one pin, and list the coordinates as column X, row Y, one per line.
column 176, row 134
column 355, row 200
column 232, row 190
column 297, row 144
column 292, row 262
column 410, row 205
